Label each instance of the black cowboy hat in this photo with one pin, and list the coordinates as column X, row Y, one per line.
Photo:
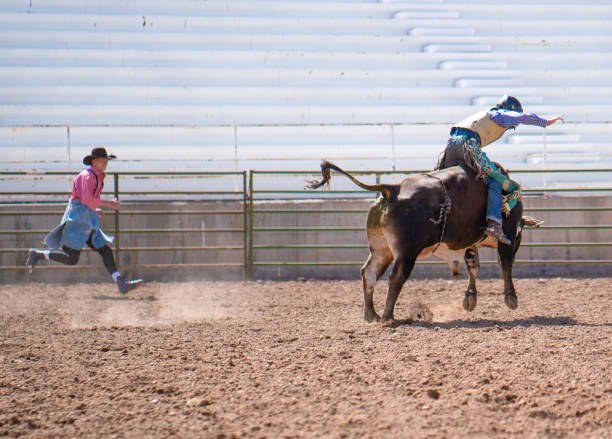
column 98, row 153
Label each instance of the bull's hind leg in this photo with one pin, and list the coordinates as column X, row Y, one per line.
column 472, row 262
column 402, row 267
column 376, row 265
column 506, row 257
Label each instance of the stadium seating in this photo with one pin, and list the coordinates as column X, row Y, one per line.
column 261, row 84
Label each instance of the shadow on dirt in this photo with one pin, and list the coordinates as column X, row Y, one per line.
column 126, row 299
column 505, row 324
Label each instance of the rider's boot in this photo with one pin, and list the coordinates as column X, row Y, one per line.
column 495, row 230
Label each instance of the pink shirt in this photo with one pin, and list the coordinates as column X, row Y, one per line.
column 87, row 188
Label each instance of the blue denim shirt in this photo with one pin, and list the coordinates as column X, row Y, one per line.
column 78, row 224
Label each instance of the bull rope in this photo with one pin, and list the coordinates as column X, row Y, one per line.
column 444, row 210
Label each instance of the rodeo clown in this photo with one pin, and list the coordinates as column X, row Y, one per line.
column 80, row 224
column 477, row 131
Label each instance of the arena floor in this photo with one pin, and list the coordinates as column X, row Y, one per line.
column 295, row 359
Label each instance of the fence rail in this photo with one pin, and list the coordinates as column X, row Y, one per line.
column 255, row 228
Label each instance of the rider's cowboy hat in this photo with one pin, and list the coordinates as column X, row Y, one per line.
column 98, row 153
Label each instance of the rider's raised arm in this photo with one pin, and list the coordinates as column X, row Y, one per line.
column 508, row 119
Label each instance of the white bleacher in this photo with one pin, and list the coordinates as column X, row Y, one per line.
column 257, row 84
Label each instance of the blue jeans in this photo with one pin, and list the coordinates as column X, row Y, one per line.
column 494, row 200
column 464, row 146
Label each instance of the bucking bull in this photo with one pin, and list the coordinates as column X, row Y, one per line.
column 442, row 214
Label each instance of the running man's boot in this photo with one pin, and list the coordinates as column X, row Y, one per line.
column 33, row 257
column 126, row 285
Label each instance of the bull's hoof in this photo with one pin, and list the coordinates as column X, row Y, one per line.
column 388, row 320
column 390, row 323
column 511, row 301
column 399, row 322
column 455, row 267
column 371, row 317
column 469, row 301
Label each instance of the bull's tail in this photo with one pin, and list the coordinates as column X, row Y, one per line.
column 326, row 167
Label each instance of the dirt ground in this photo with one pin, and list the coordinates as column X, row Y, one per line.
column 295, row 359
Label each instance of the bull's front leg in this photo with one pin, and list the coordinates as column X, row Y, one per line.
column 472, row 262
column 506, row 257
column 372, row 270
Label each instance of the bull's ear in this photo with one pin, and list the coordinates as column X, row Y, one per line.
column 531, row 221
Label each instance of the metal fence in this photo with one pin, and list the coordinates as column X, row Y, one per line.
column 262, row 195
column 41, row 203
column 258, row 193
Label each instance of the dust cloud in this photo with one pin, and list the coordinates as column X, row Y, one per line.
column 153, row 304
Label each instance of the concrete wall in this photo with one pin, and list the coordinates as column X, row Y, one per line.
column 202, row 236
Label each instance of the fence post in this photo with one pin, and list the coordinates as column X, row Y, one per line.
column 251, row 225
column 117, row 230
column 245, row 225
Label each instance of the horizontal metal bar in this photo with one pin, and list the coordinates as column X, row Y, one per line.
column 307, row 247
column 297, row 191
column 275, row 264
column 310, row 211
column 318, row 172
column 181, row 230
column 301, row 264
column 424, row 171
column 527, row 191
column 137, row 212
column 567, row 209
column 33, row 232
column 130, row 193
column 203, row 248
column 183, row 266
column 181, row 193
column 589, row 227
column 363, row 246
column 180, row 212
column 128, row 173
column 286, row 229
column 289, row 211
column 38, row 213
column 145, row 249
column 566, row 244
column 338, row 263
column 530, row 209
column 308, row 229
column 555, row 171
column 54, row 267
column 362, row 211
column 66, row 194
column 367, row 196
column 568, row 189
column 301, row 247
column 126, row 267
column 561, row 261
column 356, row 229
column 315, row 172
